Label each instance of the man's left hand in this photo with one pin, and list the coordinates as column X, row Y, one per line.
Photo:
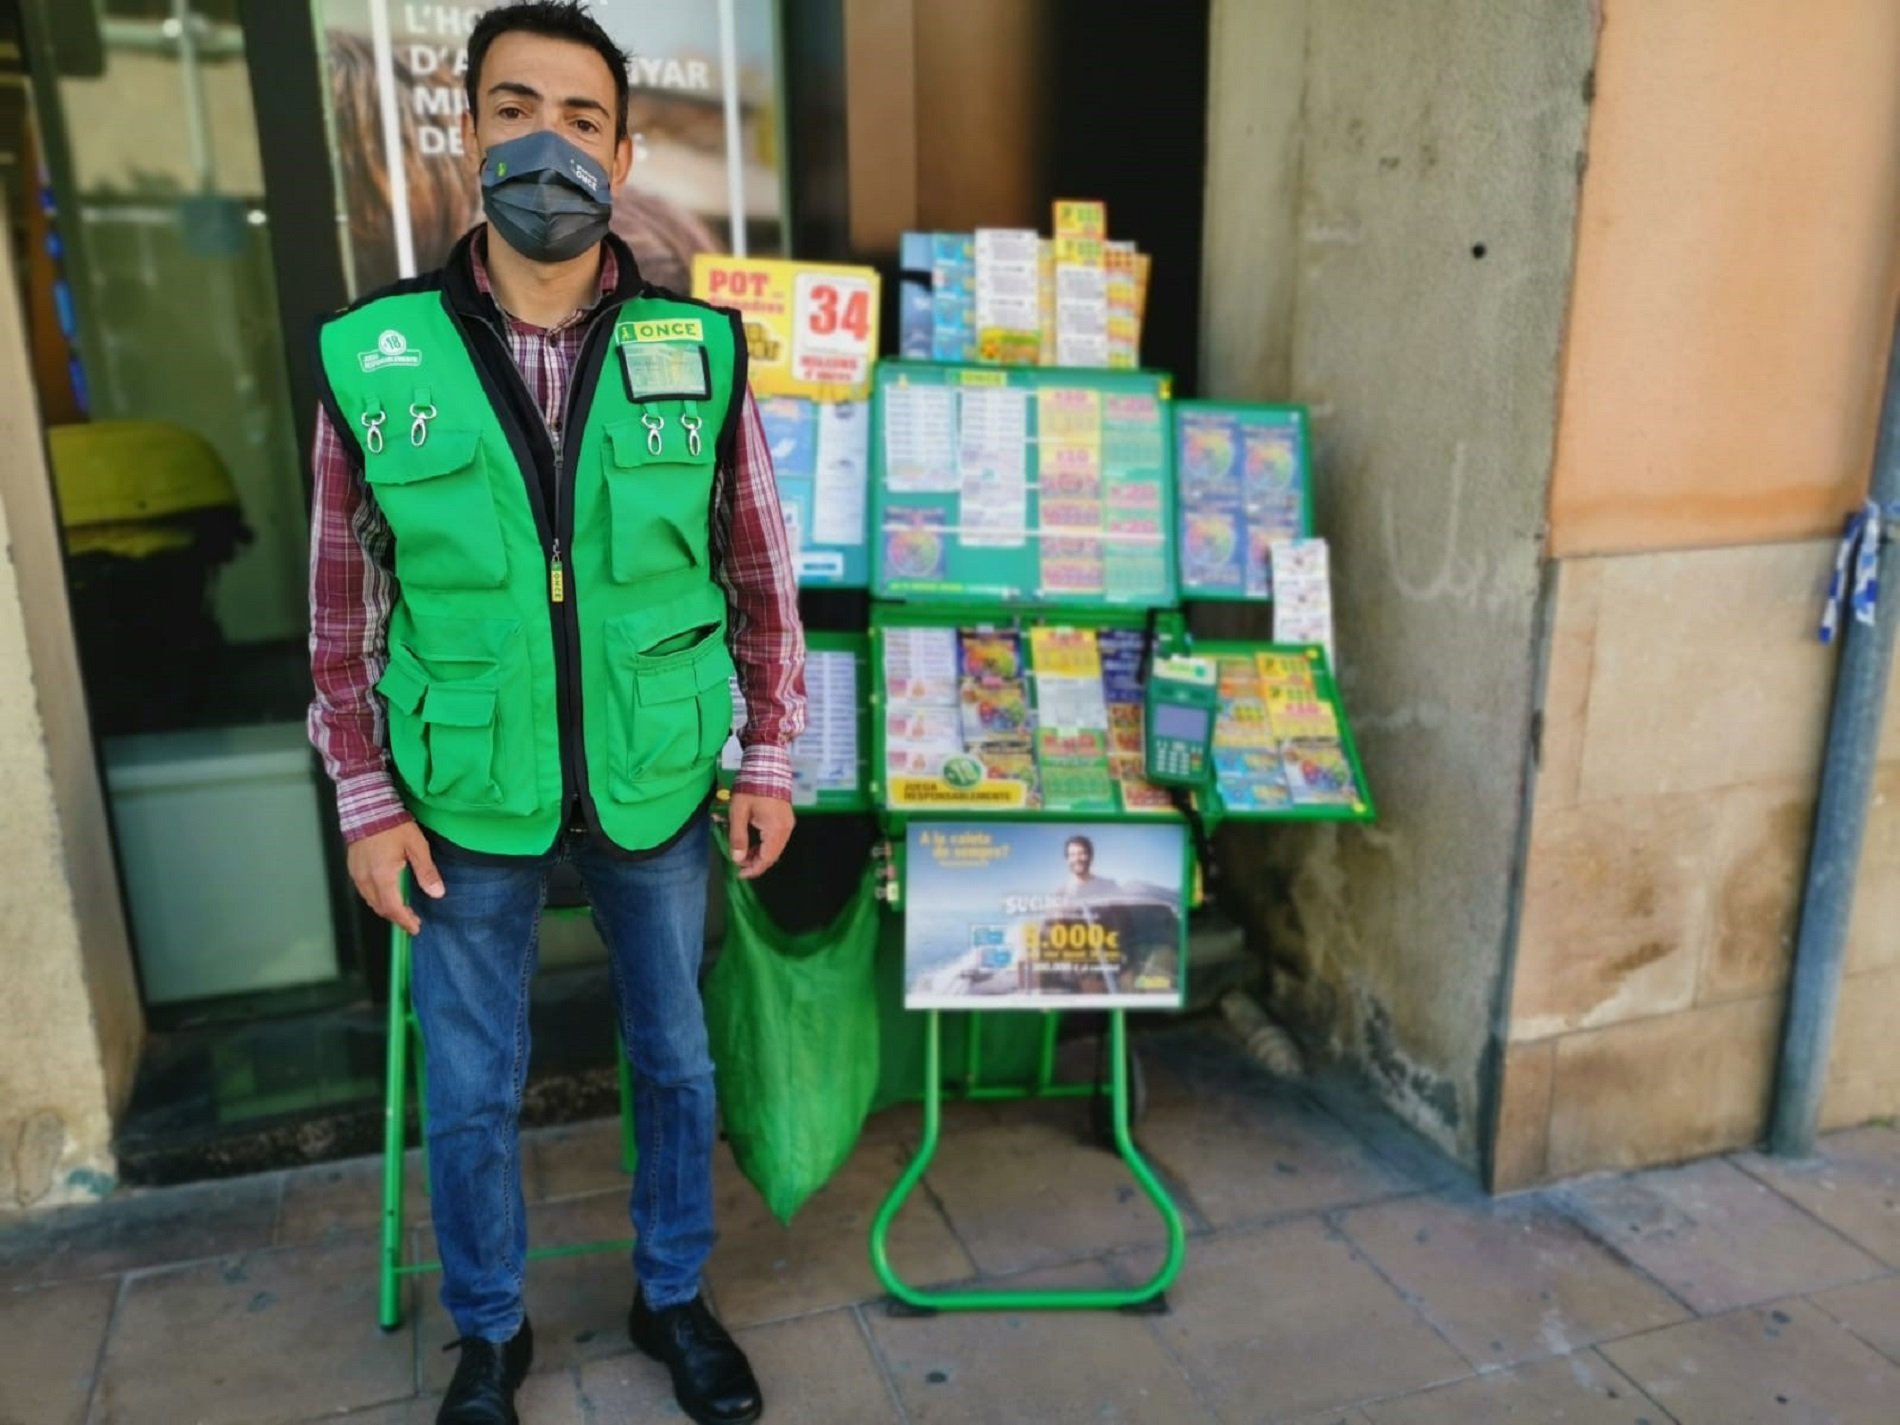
column 772, row 818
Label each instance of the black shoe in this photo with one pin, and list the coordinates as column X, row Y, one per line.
column 486, row 1379
column 711, row 1379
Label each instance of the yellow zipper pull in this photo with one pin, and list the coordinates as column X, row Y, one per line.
column 557, row 577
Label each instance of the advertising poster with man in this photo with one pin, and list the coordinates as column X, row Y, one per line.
column 1044, row 916
column 704, row 113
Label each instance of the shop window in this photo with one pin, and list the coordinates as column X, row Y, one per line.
column 137, row 198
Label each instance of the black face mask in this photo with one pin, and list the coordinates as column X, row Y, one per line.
column 548, row 200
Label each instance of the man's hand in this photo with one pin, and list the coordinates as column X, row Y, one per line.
column 376, row 864
column 772, row 818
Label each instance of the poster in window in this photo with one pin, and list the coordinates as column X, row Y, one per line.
column 703, row 111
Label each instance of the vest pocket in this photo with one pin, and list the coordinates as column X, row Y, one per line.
column 438, row 503
column 660, row 503
column 459, row 716
column 671, row 712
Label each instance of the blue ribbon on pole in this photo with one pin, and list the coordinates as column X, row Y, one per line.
column 1856, row 581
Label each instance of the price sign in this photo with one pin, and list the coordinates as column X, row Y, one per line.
column 836, row 326
column 811, row 327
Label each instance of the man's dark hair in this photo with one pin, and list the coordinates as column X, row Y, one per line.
column 558, row 20
column 1083, row 842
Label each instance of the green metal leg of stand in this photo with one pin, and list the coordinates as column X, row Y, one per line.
column 406, row 1060
column 395, row 1117
column 977, row 1300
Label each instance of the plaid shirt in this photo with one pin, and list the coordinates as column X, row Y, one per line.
column 352, row 587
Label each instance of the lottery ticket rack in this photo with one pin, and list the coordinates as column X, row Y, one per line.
column 1029, row 553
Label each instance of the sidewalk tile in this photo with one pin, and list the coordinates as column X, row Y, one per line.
column 1249, row 1156
column 817, row 1370
column 337, row 1199
column 1348, row 1416
column 249, row 1340
column 1853, row 1186
column 574, row 1159
column 139, row 1229
column 1507, row 1282
column 578, row 1304
column 1033, row 1194
column 1778, row 1364
column 1290, row 1320
column 1871, row 1310
column 1579, row 1389
column 762, row 1271
column 629, row 1389
column 1050, row 1367
column 1715, row 1236
column 49, row 1348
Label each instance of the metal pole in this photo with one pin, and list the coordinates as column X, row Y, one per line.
column 1860, row 692
column 735, row 138
column 191, row 76
column 395, row 161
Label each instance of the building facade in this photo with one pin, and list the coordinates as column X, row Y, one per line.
column 1590, row 304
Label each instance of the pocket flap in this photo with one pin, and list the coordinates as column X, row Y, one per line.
column 659, row 623
column 443, row 453
column 457, row 705
column 402, row 682
column 684, row 675
column 628, row 448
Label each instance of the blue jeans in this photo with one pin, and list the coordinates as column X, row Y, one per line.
column 474, row 961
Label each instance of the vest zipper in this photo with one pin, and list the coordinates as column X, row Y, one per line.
column 558, row 516
column 565, row 626
column 585, row 375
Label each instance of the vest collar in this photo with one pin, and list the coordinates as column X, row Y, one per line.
column 458, row 277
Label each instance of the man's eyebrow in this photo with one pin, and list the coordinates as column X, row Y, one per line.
column 509, row 86
column 581, row 101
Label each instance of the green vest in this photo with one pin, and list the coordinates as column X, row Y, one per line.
column 538, row 653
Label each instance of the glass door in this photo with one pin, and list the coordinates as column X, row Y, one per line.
column 174, row 449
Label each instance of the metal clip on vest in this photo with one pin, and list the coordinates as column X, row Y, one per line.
column 692, row 423
column 654, row 424
column 373, row 429
column 419, row 429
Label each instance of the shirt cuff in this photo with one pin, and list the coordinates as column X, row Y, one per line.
column 765, row 770
column 368, row 803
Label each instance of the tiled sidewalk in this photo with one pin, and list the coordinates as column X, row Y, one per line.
column 1338, row 1274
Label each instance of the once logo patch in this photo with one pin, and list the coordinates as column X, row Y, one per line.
column 671, row 329
column 392, row 349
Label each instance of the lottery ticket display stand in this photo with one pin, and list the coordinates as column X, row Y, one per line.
column 1028, row 556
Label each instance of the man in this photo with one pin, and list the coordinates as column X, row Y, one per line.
column 1084, row 893
column 545, row 533
column 1084, row 885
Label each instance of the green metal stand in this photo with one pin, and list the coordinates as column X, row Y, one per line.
column 406, row 1061
column 1147, row 1296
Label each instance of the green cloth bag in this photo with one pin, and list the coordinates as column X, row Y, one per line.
column 793, row 1021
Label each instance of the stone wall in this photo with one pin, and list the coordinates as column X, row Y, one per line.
column 1736, row 279
column 1685, row 714
column 1391, row 202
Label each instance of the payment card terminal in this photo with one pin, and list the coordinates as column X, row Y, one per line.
column 1183, row 698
